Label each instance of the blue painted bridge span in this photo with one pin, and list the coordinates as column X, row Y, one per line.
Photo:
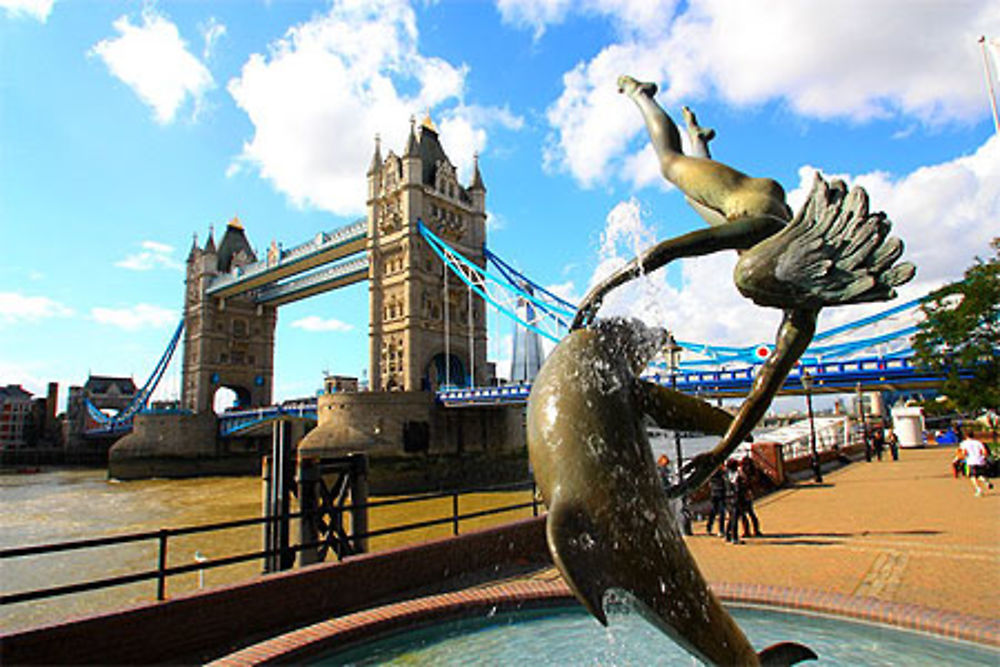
column 873, row 373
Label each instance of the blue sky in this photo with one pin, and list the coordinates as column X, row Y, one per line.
column 127, row 127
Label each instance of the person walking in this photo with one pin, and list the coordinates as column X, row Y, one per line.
column 975, row 462
column 892, row 440
column 878, row 441
column 749, row 517
column 717, row 496
column 735, row 495
column 663, row 470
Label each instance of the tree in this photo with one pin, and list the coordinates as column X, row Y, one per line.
column 962, row 330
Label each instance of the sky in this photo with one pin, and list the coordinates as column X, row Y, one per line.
column 128, row 127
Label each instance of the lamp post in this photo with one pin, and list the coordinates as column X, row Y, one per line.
column 864, row 424
column 806, row 379
column 674, row 363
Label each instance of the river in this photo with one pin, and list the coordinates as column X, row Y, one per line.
column 57, row 505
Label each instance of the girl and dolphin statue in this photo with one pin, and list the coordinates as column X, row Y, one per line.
column 609, row 525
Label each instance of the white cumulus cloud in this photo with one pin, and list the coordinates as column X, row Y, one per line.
column 16, row 308
column 139, row 316
column 322, row 92
column 153, row 255
column 945, row 213
column 629, row 15
column 855, row 60
column 36, row 9
column 317, row 323
column 154, row 60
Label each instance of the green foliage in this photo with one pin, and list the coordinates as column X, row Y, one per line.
column 962, row 329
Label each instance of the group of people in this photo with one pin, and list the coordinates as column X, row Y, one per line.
column 972, row 458
column 731, row 495
column 879, row 440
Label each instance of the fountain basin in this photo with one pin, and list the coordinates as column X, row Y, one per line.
column 540, row 621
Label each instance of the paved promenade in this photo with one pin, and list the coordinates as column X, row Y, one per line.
column 898, row 531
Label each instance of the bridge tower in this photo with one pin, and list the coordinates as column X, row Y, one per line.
column 424, row 329
column 228, row 342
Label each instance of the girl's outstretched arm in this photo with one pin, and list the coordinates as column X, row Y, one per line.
column 738, row 235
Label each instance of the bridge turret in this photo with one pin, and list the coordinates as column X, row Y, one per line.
column 412, row 164
column 375, row 170
column 228, row 342
column 208, row 264
column 476, row 188
column 423, row 334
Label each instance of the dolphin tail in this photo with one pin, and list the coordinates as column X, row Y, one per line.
column 577, row 547
column 785, row 653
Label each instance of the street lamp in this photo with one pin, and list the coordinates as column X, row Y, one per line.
column 674, row 363
column 864, row 424
column 806, row 379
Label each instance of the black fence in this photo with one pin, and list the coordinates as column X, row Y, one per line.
column 162, row 572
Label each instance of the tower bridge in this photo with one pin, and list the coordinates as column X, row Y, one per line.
column 426, row 330
column 423, row 332
column 421, row 248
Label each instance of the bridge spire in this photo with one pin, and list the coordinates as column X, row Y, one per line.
column 411, row 143
column 477, row 178
column 376, row 164
column 210, row 243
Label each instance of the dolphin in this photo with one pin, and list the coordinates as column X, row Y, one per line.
column 609, row 526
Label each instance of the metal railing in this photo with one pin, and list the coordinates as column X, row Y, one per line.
column 163, row 572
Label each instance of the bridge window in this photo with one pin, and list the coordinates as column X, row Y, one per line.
column 240, row 328
column 223, row 358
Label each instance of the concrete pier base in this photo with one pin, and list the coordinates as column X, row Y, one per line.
column 178, row 445
column 414, row 444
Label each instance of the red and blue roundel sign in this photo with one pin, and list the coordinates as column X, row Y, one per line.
column 762, row 352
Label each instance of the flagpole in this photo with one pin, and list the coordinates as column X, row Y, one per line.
column 989, row 83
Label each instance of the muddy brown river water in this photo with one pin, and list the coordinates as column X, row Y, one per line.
column 58, row 505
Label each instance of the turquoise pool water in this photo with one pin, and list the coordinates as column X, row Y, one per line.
column 568, row 636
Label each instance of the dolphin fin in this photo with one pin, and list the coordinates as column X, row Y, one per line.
column 578, row 549
column 785, row 653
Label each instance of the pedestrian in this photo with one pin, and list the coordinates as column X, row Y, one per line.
column 878, row 441
column 663, row 469
column 749, row 516
column 892, row 440
column 735, row 498
column 975, row 462
column 717, row 496
column 958, row 463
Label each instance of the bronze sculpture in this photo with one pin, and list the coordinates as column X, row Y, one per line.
column 609, row 524
column 834, row 251
column 609, row 527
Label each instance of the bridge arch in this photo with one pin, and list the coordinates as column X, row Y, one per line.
column 440, row 372
column 231, row 396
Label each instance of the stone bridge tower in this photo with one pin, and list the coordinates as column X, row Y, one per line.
column 422, row 332
column 227, row 342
